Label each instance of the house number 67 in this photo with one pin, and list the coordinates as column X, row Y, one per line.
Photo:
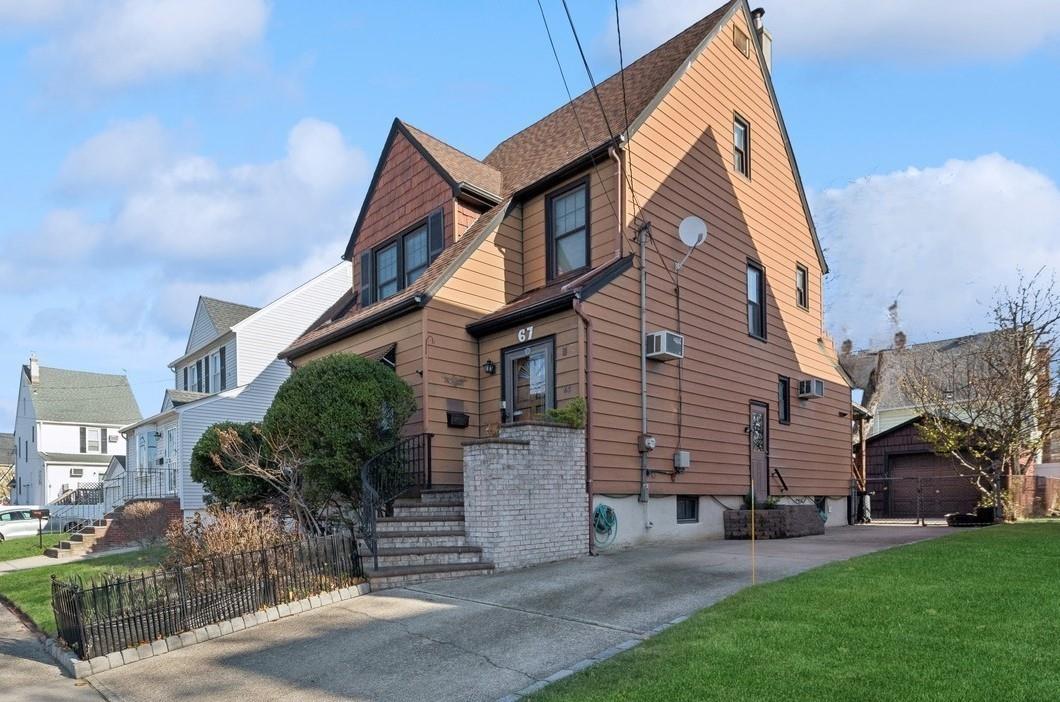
column 525, row 334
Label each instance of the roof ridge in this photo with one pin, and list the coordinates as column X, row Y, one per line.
column 443, row 142
column 227, row 302
column 614, row 75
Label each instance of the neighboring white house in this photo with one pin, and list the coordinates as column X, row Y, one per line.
column 229, row 372
column 67, row 429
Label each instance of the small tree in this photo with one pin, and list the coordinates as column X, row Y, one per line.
column 221, row 474
column 331, row 416
column 995, row 407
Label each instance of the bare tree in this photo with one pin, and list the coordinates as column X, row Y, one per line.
column 994, row 406
column 272, row 461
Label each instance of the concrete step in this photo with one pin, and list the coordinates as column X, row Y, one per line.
column 420, row 539
column 384, row 578
column 442, row 495
column 447, row 522
column 417, row 508
column 85, row 537
column 428, row 555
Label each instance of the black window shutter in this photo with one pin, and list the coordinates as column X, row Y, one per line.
column 366, row 279
column 102, row 439
column 83, row 443
column 185, row 378
column 224, row 370
column 206, row 375
column 198, row 376
column 435, row 234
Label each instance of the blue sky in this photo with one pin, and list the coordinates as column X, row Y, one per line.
column 161, row 149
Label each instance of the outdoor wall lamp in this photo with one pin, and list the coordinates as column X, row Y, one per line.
column 489, row 367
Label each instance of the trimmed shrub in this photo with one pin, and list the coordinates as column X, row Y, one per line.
column 207, row 459
column 573, row 414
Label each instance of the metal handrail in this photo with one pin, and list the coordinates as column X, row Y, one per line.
column 386, row 476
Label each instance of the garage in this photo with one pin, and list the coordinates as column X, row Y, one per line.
column 902, row 467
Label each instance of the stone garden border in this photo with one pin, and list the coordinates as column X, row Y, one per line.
column 77, row 668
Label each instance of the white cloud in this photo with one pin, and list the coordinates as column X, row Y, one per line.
column 247, row 216
column 120, row 156
column 898, row 30
column 940, row 239
column 118, row 43
column 33, row 12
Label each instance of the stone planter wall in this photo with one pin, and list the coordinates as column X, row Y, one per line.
column 782, row 522
column 524, row 495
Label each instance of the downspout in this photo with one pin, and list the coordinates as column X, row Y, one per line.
column 588, row 417
column 642, row 234
column 616, row 155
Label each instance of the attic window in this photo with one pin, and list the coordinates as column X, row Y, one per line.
column 741, row 41
column 401, row 260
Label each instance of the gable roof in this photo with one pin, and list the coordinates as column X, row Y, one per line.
column 176, row 398
column 345, row 318
column 224, row 314
column 555, row 140
column 77, row 396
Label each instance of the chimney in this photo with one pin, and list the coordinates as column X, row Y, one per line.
column 34, row 369
column 899, row 340
column 764, row 37
column 847, row 348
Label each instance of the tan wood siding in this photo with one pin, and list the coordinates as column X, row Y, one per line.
column 406, row 332
column 682, row 164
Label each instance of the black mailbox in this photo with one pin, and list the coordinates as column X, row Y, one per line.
column 40, row 513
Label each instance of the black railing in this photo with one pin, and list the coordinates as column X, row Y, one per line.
column 147, row 484
column 83, row 494
column 388, row 475
column 120, row 612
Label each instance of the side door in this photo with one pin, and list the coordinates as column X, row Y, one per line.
column 758, row 438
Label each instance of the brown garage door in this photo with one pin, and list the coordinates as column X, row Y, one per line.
column 944, row 491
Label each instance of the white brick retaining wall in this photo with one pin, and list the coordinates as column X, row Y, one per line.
column 524, row 495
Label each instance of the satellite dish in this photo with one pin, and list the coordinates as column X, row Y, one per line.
column 693, row 231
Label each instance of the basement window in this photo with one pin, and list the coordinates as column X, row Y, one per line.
column 687, row 509
column 741, row 41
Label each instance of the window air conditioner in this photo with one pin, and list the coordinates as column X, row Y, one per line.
column 809, row 389
column 664, row 346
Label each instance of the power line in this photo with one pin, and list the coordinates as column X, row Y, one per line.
column 577, row 119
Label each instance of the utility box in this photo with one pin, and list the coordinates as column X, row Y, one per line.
column 682, row 461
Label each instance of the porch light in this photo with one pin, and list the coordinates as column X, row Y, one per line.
column 489, row 367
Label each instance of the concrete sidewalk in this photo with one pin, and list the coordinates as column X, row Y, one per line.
column 27, row 672
column 479, row 638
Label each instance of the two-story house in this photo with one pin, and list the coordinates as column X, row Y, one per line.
column 504, row 286
column 228, row 372
column 66, row 429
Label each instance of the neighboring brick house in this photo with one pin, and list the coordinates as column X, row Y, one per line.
column 500, row 288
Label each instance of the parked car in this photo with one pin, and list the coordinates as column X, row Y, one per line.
column 15, row 521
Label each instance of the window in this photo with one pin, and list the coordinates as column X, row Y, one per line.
column 193, row 372
column 141, row 454
column 741, row 145
column 567, row 226
column 784, row 400
column 414, row 245
column 687, row 508
column 741, row 41
column 756, row 294
column 91, row 439
column 802, row 287
column 77, row 472
column 215, row 371
column 400, row 261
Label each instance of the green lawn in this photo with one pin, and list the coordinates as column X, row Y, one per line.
column 30, row 590
column 973, row 616
column 26, row 546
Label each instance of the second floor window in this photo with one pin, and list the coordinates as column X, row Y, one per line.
column 568, row 229
column 741, row 145
column 91, row 440
column 215, row 371
column 395, row 265
column 802, row 287
column 756, row 296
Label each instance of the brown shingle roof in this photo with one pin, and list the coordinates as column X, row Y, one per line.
column 459, row 166
column 415, row 295
column 554, row 141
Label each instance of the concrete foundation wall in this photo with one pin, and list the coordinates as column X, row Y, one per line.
column 524, row 495
column 656, row 520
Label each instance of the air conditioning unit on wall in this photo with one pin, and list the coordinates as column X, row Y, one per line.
column 810, row 389
column 664, row 346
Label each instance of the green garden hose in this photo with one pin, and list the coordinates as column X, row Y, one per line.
column 605, row 522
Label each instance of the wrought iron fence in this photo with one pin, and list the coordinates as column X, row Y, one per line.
column 388, row 475
column 115, row 613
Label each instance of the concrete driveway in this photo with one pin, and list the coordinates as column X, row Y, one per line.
column 479, row 638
